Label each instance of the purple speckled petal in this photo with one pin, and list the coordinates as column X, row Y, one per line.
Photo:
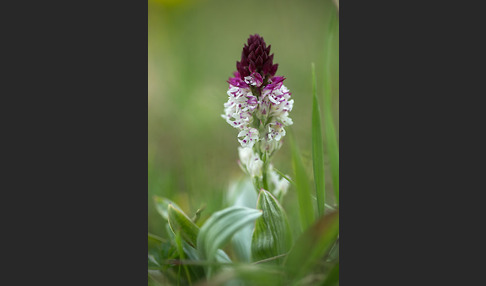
column 277, row 79
column 258, row 78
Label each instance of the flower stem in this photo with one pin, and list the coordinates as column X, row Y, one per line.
column 264, row 171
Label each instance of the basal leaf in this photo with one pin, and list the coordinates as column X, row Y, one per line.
column 193, row 254
column 272, row 235
column 220, row 227
column 178, row 221
column 162, row 206
column 242, row 193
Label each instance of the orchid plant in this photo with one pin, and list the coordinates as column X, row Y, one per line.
column 250, row 242
column 258, row 106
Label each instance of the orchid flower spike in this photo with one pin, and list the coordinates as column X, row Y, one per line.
column 258, row 103
column 258, row 106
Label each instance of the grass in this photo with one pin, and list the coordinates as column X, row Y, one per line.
column 317, row 148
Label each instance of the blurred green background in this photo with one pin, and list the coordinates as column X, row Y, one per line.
column 193, row 47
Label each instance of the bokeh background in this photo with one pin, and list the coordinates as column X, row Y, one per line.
column 193, row 46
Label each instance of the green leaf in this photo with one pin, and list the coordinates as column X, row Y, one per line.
column 306, row 208
column 312, row 245
column 242, row 193
column 182, row 256
column 193, row 254
column 178, row 221
column 162, row 206
column 249, row 274
column 317, row 148
column 155, row 239
column 331, row 139
column 332, row 278
column 154, row 250
column 220, row 227
column 272, row 236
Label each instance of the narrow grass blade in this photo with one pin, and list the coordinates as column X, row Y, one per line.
column 220, row 227
column 182, row 256
column 331, row 139
column 284, row 176
column 317, row 148
column 306, row 209
column 272, row 235
column 178, row 221
column 155, row 238
column 312, row 245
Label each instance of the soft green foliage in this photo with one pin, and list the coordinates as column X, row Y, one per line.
column 248, row 275
column 306, row 208
column 317, row 148
column 155, row 251
column 180, row 251
column 178, row 221
column 272, row 236
column 312, row 245
column 331, row 139
column 243, row 194
column 332, row 277
column 220, row 227
column 162, row 206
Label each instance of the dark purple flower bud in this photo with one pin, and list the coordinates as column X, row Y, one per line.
column 256, row 57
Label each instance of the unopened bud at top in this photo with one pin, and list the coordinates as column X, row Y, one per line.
column 256, row 58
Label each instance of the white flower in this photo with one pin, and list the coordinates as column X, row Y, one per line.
column 286, row 120
column 271, row 108
column 281, row 103
column 250, row 162
column 239, row 107
column 238, row 112
column 249, row 137
column 245, row 154
column 255, row 167
column 280, row 185
column 275, row 131
column 250, row 80
column 254, row 79
column 270, row 146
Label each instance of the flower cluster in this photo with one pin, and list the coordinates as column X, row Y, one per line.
column 251, row 164
column 258, row 106
column 280, row 185
column 258, row 103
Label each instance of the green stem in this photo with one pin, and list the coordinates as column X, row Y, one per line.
column 264, row 172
